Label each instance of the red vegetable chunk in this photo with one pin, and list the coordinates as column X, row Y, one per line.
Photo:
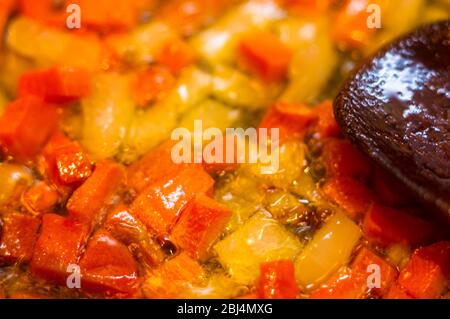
column 326, row 125
column 173, row 277
column 386, row 226
column 344, row 284
column 151, row 85
column 154, row 166
column 427, row 274
column 200, row 225
column 18, row 237
column 397, row 292
column 342, row 159
column 161, row 203
column 350, row 194
column 86, row 202
column 108, row 266
column 41, row 198
column 56, row 85
column 59, row 245
column 265, row 55
column 362, row 266
column 353, row 282
column 26, row 125
column 291, row 119
column 277, row 280
column 67, row 163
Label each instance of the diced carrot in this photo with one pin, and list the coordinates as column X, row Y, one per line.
column 388, row 274
column 161, row 203
column 59, row 245
column 126, row 228
column 277, row 280
column 351, row 27
column 182, row 267
column 26, row 125
column 397, row 292
column 200, row 225
column 153, row 167
column 86, row 202
column 176, row 55
column 41, row 198
column 67, row 163
column 389, row 190
column 73, row 165
column 385, row 226
column 189, row 16
column 326, row 125
column 353, row 282
column 173, row 276
column 265, row 55
column 427, row 274
column 108, row 266
column 17, row 237
column 151, row 85
column 291, row 119
column 353, row 196
column 56, row 85
column 344, row 284
column 343, row 159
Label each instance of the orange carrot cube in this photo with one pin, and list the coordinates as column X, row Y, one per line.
column 386, row 226
column 17, row 237
column 277, row 280
column 162, row 202
column 26, row 125
column 353, row 196
column 108, row 266
column 86, row 202
column 200, row 225
column 427, row 274
column 265, row 55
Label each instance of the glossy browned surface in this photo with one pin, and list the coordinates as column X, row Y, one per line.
column 396, row 109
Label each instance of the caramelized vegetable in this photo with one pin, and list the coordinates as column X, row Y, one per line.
column 108, row 267
column 56, row 85
column 161, row 203
column 26, row 125
column 387, row 226
column 59, row 245
column 86, row 202
column 353, row 196
column 265, row 55
column 428, row 272
column 277, row 280
column 200, row 225
column 18, row 236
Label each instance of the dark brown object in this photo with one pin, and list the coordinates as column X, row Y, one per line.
column 396, row 109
